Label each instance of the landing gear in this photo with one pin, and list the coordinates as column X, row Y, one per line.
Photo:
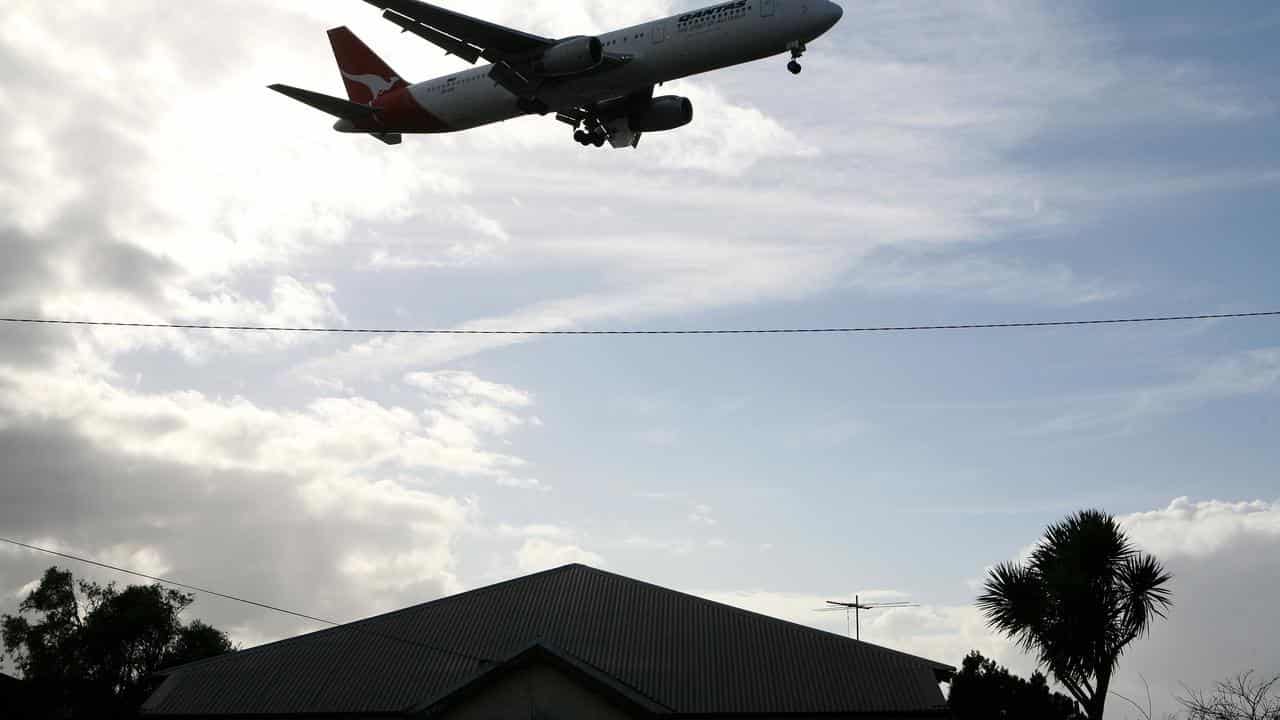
column 593, row 133
column 797, row 49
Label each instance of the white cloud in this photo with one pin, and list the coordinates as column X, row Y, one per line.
column 1241, row 374
column 702, row 515
column 520, row 483
column 674, row 546
column 1202, row 529
column 331, row 437
column 550, row 532
column 539, row 553
column 981, row 277
column 725, row 139
column 941, row 633
column 1225, row 561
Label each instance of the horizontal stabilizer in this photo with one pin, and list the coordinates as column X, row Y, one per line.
column 336, row 107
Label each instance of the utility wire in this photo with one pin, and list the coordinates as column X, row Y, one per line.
column 215, row 593
column 563, row 333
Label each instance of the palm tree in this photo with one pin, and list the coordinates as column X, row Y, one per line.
column 1083, row 596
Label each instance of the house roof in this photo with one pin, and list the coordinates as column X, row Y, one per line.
column 690, row 655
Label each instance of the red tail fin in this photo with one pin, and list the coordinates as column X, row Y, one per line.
column 367, row 77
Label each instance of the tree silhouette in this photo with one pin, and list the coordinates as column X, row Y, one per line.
column 983, row 690
column 1240, row 698
column 93, row 649
column 1078, row 603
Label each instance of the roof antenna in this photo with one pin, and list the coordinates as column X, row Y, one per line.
column 853, row 612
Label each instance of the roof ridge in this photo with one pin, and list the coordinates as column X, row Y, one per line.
column 354, row 626
column 381, row 616
column 769, row 618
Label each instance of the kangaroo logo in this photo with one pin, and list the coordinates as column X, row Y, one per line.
column 377, row 85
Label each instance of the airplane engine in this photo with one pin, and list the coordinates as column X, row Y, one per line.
column 663, row 113
column 570, row 57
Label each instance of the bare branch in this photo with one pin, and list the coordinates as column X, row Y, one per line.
column 1237, row 698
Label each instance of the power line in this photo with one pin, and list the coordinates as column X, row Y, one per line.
column 215, row 593
column 568, row 333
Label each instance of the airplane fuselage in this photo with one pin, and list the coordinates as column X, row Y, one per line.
column 698, row 41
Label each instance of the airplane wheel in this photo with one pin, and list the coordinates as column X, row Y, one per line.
column 794, row 67
column 582, row 137
column 599, row 141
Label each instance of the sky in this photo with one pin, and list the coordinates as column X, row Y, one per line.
column 937, row 162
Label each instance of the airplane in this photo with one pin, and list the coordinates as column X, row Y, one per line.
column 602, row 86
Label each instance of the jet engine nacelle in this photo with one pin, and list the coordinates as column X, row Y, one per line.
column 663, row 113
column 570, row 57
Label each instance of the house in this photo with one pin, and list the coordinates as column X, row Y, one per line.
column 569, row 643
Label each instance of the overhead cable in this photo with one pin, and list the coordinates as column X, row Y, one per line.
column 570, row 333
column 195, row 588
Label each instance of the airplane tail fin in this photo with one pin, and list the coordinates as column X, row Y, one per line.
column 366, row 76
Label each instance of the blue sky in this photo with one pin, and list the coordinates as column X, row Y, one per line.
column 936, row 163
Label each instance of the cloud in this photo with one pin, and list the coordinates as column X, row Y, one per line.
column 1201, row 529
column 335, row 545
column 938, row 632
column 980, row 277
column 1242, row 374
column 548, row 532
column 702, row 515
column 673, row 546
column 524, row 484
column 1225, row 559
column 332, row 436
column 538, row 554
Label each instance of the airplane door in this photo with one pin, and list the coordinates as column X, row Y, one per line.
column 767, row 7
column 659, row 32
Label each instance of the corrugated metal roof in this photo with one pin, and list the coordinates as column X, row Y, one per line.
column 690, row 654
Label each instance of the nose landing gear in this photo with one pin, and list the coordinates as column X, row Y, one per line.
column 797, row 49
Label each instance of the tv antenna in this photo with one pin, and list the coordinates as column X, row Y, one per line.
column 853, row 612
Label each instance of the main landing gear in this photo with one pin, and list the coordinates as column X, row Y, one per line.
column 587, row 139
column 797, row 49
column 592, row 133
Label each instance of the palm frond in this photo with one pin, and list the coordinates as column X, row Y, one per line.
column 1014, row 603
column 1144, row 595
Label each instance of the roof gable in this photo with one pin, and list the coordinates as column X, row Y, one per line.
column 588, row 676
column 683, row 652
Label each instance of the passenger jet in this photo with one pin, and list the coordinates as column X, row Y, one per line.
column 601, row 86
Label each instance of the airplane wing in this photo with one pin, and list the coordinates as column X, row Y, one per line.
column 513, row 53
column 490, row 41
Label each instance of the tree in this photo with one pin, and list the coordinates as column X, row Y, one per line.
column 1239, row 698
column 1078, row 603
column 983, row 690
column 93, row 649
